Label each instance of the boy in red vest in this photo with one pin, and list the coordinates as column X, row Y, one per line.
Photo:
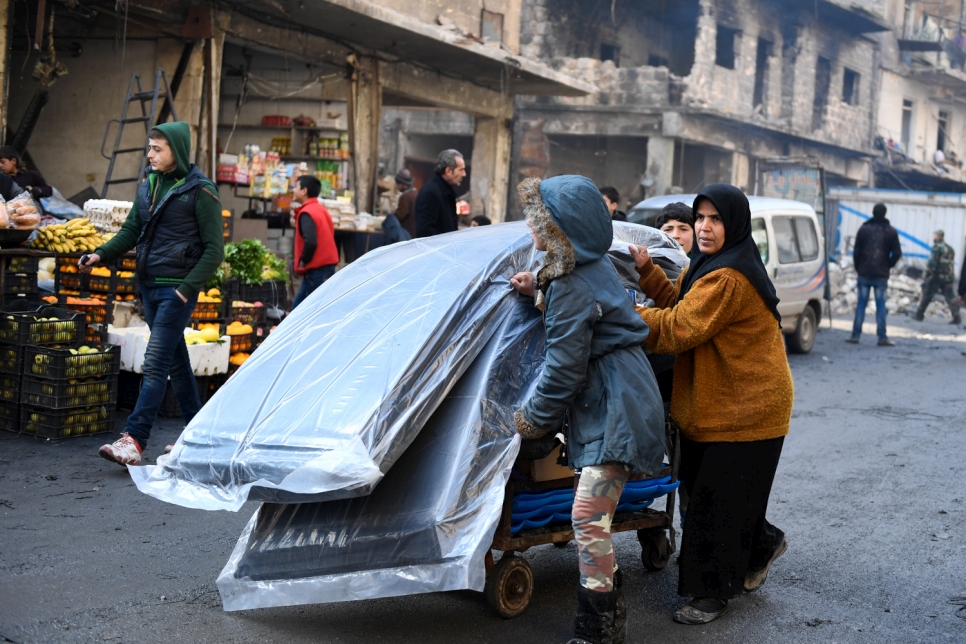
column 316, row 254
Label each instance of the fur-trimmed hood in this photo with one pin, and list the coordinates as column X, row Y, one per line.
column 568, row 212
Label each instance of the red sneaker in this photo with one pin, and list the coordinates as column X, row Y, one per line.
column 123, row 451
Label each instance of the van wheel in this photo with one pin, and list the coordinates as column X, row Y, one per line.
column 803, row 339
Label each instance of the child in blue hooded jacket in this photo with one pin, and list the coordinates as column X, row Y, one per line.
column 596, row 375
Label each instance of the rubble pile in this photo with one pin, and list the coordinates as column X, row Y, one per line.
column 905, row 290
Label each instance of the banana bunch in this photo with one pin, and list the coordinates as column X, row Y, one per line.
column 76, row 236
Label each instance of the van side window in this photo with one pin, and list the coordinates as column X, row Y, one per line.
column 785, row 240
column 760, row 234
column 807, row 239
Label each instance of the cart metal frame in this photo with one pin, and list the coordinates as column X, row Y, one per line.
column 510, row 581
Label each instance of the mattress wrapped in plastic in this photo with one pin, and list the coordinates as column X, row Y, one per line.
column 340, row 390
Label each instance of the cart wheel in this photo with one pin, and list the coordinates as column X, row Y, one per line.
column 655, row 548
column 509, row 586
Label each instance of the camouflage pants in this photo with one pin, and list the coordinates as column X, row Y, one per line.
column 595, row 502
column 929, row 291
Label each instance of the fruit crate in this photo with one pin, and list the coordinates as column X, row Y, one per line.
column 208, row 311
column 25, row 328
column 20, row 283
column 196, row 324
column 247, row 314
column 62, row 364
column 11, row 359
column 10, row 388
column 228, row 227
column 10, row 416
column 242, row 342
column 23, row 264
column 95, row 334
column 127, row 263
column 63, row 423
column 113, row 283
column 65, row 394
column 95, row 313
column 269, row 292
column 68, row 277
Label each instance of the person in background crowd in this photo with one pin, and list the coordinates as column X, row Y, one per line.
column 9, row 188
column 940, row 277
column 732, row 400
column 962, row 288
column 596, row 374
column 876, row 251
column 677, row 220
column 176, row 226
column 406, row 208
column 30, row 180
column 480, row 220
column 315, row 250
column 613, row 198
column 436, row 201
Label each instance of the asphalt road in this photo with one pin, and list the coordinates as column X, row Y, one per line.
column 870, row 491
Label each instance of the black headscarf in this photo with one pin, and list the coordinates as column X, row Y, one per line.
column 739, row 252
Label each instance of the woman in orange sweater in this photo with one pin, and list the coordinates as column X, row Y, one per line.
column 732, row 400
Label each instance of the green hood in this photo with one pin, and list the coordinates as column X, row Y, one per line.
column 178, row 134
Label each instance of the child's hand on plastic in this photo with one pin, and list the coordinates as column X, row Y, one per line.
column 523, row 283
column 640, row 255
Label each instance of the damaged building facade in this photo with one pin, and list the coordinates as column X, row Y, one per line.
column 340, row 64
column 696, row 91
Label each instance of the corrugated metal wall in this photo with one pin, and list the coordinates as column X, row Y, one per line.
column 914, row 214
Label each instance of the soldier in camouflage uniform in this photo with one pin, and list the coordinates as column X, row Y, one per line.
column 940, row 275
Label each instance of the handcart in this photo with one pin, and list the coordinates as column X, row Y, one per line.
column 509, row 581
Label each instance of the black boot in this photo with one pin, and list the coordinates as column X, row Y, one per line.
column 595, row 620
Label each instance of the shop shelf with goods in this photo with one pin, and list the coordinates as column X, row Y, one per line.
column 45, row 326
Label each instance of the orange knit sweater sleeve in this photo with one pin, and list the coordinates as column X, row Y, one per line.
column 655, row 285
column 695, row 319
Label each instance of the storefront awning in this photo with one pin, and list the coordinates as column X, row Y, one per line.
column 397, row 35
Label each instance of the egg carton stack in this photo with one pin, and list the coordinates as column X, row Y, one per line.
column 107, row 215
column 902, row 296
column 343, row 214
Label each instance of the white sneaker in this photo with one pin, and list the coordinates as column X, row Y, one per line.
column 123, row 451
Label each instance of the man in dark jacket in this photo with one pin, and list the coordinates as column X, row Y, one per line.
column 613, row 199
column 176, row 226
column 436, row 202
column 876, row 251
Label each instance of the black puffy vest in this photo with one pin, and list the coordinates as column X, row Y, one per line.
column 170, row 245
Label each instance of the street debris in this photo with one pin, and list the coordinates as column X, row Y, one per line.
column 904, row 293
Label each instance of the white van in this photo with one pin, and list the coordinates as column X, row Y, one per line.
column 787, row 234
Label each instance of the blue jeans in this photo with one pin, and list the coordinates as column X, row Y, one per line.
column 880, row 285
column 166, row 354
column 311, row 281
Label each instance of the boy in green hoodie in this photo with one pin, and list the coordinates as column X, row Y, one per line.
column 176, row 226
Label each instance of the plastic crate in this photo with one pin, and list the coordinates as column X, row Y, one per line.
column 63, row 423
column 196, row 324
column 20, row 283
column 244, row 342
column 10, row 416
column 208, row 311
column 61, row 364
column 269, row 292
column 64, row 394
column 23, row 264
column 95, row 334
column 68, row 277
column 95, row 313
column 10, row 388
column 113, row 283
column 207, row 385
column 11, row 359
column 23, row 328
column 247, row 314
column 127, row 263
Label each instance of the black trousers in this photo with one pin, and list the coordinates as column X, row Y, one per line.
column 725, row 531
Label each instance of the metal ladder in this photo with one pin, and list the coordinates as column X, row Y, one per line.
column 136, row 94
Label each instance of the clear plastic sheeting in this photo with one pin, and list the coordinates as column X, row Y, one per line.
column 428, row 525
column 337, row 393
